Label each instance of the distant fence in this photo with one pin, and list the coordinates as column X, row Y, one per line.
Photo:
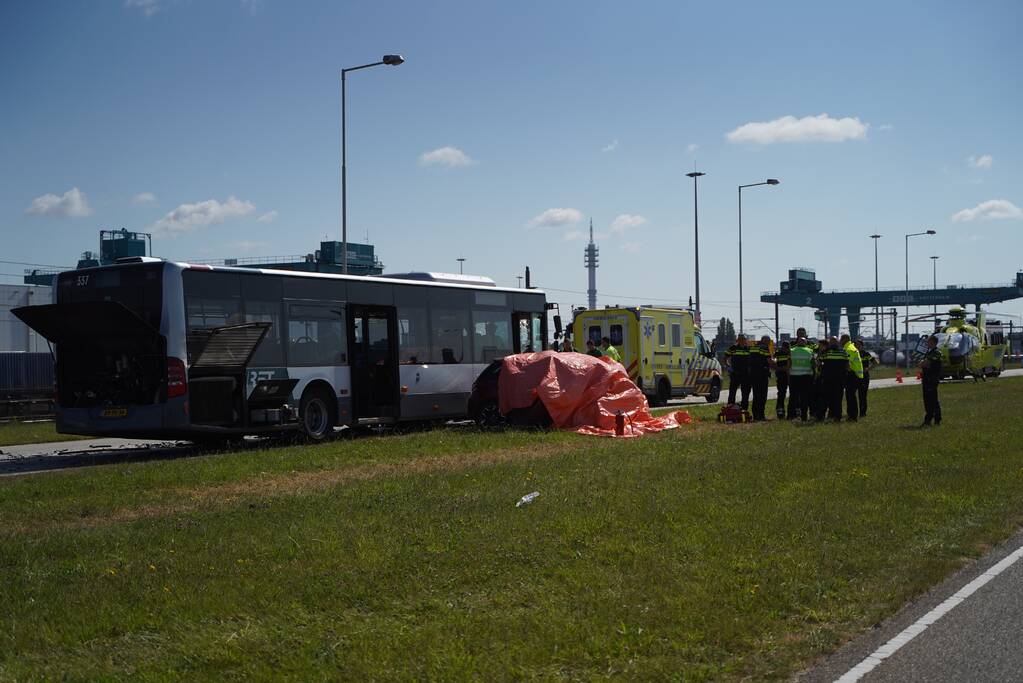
column 26, row 384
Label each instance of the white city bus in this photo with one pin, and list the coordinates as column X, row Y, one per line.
column 157, row 349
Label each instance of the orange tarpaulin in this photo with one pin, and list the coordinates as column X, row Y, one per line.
column 580, row 392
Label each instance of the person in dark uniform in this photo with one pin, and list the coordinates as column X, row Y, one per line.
column 760, row 376
column 737, row 361
column 931, row 373
column 818, row 403
column 834, row 374
column 869, row 361
column 591, row 349
column 782, row 359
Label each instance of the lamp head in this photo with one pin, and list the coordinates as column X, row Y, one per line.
column 773, row 181
column 695, row 174
column 931, row 232
column 875, row 237
column 393, row 60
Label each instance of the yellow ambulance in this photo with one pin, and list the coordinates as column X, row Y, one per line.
column 662, row 349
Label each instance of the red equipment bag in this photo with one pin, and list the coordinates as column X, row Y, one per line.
column 732, row 414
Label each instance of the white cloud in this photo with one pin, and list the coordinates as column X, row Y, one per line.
column 691, row 148
column 992, row 209
column 611, row 146
column 147, row 7
column 626, row 222
column 144, row 198
column 984, row 161
column 248, row 245
column 821, row 128
column 268, row 217
column 631, row 247
column 445, row 156
column 573, row 235
column 886, row 126
column 190, row 217
column 71, row 204
column 555, row 218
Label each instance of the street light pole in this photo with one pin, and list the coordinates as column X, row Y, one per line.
column 460, row 260
column 877, row 311
column 695, row 175
column 934, row 263
column 769, row 181
column 389, row 60
column 914, row 234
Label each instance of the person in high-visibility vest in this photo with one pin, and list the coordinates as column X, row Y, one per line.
column 853, row 379
column 610, row 351
column 800, row 379
column 869, row 361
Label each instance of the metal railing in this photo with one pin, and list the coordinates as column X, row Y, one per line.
column 912, row 288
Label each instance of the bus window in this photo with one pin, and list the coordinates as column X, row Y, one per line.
column 211, row 300
column 413, row 335
column 492, row 337
column 676, row 335
column 537, row 341
column 261, row 303
column 450, row 341
column 316, row 335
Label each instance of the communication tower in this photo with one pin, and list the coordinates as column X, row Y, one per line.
column 590, row 260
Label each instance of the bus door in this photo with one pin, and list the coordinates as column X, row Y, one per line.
column 373, row 353
column 529, row 333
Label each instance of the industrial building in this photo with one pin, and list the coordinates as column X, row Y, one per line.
column 803, row 289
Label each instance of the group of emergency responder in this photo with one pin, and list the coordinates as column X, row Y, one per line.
column 816, row 377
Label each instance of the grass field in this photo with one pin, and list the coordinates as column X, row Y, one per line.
column 703, row 553
column 12, row 433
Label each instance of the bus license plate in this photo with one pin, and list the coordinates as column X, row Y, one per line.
column 114, row 412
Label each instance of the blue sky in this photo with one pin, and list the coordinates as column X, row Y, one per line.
column 215, row 124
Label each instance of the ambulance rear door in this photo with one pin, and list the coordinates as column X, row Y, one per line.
column 645, row 357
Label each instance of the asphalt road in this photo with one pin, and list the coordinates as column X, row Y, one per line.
column 978, row 638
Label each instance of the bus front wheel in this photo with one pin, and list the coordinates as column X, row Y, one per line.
column 317, row 414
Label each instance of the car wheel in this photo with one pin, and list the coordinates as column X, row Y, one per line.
column 316, row 415
column 715, row 391
column 490, row 417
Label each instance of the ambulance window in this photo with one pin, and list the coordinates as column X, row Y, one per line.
column 594, row 335
column 660, row 335
column 676, row 335
column 616, row 335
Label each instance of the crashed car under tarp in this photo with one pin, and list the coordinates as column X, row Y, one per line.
column 579, row 392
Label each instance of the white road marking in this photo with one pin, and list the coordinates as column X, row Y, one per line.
column 920, row 625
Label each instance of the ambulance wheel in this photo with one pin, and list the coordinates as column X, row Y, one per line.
column 715, row 391
column 663, row 392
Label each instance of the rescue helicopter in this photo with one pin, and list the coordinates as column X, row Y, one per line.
column 967, row 348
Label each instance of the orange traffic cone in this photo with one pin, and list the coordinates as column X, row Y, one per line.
column 898, row 376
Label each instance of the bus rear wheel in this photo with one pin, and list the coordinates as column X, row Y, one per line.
column 316, row 414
